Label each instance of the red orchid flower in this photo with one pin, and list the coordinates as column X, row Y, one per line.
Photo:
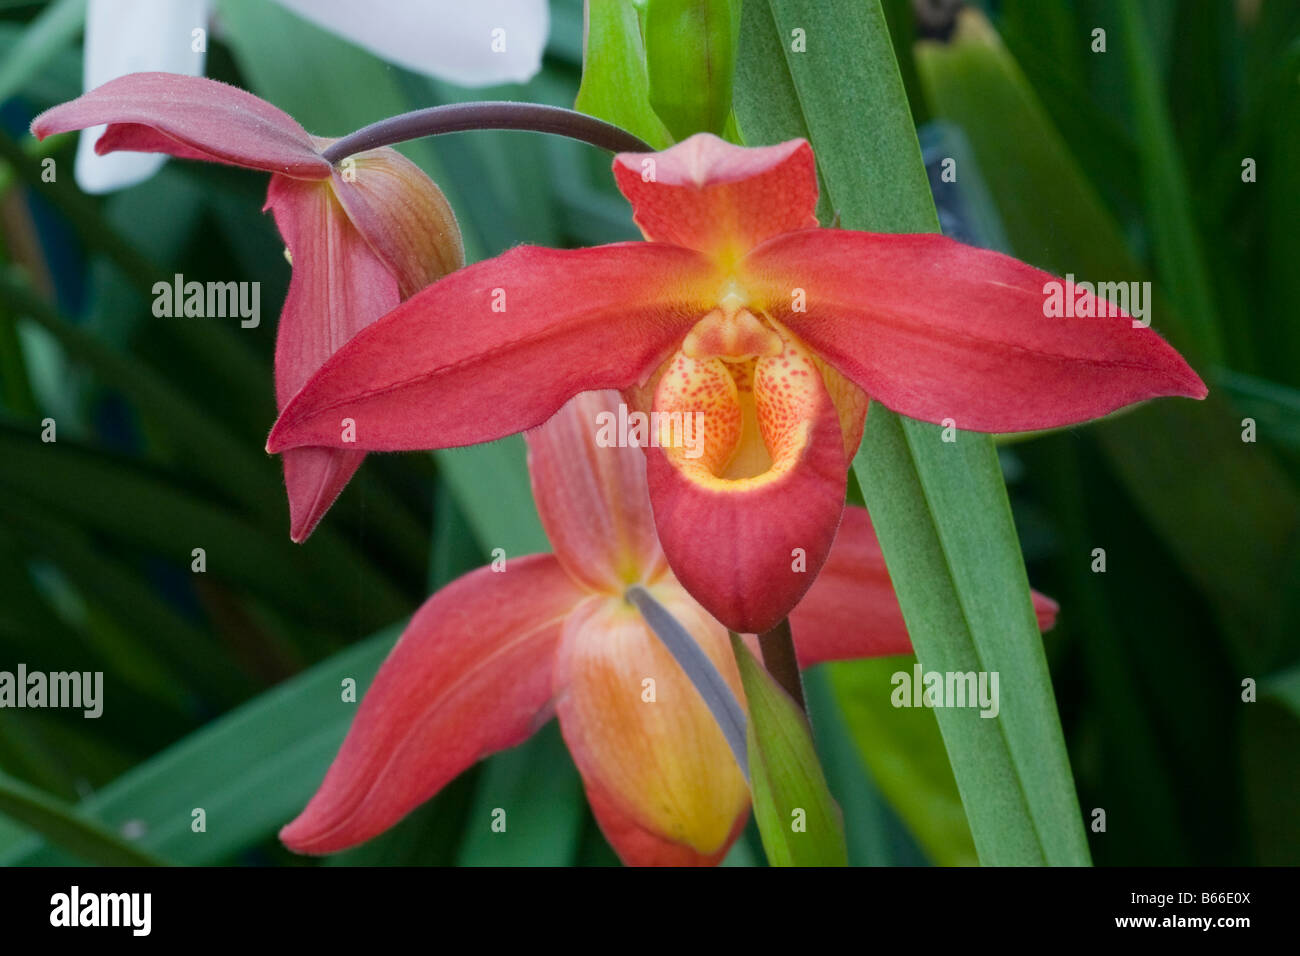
column 487, row 660
column 739, row 310
column 362, row 236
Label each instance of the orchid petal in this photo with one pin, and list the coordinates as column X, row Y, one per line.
column 497, row 347
column 639, row 846
column 472, row 44
column 338, row 285
column 707, row 194
column 660, row 777
column 313, row 480
column 378, row 228
column 934, row 329
column 130, row 36
column 402, row 215
column 471, row 675
column 747, row 523
column 592, row 496
column 191, row 117
column 851, row 610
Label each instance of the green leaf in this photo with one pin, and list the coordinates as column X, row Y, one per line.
column 855, row 112
column 874, row 834
column 973, row 82
column 156, row 634
column 15, row 383
column 428, row 836
column 490, row 483
column 139, row 505
column 1276, row 241
column 901, row 17
column 615, row 84
column 767, row 104
column 1049, row 43
column 1271, row 768
column 535, row 783
column 952, row 553
column 1179, row 255
column 44, row 38
column 1140, row 647
column 454, row 549
column 1242, row 555
column 565, row 41
column 540, row 792
column 1284, row 688
column 904, row 750
column 797, row 817
column 230, row 463
column 251, row 771
column 58, row 79
column 940, row 509
column 227, row 466
column 62, row 825
column 11, row 834
column 742, row 853
column 241, row 372
column 690, row 50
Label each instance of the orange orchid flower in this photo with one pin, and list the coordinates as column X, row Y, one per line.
column 741, row 315
column 490, row 657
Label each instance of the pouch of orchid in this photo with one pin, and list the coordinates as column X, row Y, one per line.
column 745, row 342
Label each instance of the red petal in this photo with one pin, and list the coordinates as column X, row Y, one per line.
column 446, row 369
column 380, row 231
column 338, row 286
column 1045, row 610
column 191, row 117
column 707, row 194
column 851, row 610
column 934, row 329
column 592, row 498
column 747, row 524
column 471, row 675
column 403, row 215
column 659, row 774
column 313, row 480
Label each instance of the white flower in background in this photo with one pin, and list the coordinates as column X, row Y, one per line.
column 467, row 42
column 133, row 36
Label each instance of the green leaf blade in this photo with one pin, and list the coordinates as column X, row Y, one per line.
column 940, row 509
column 798, row 819
column 62, row 825
column 251, row 771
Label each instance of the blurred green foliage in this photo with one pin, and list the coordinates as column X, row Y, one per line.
column 222, row 687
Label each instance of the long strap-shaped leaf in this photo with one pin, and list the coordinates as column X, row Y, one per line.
column 1242, row 557
column 63, row 825
column 798, row 820
column 250, row 771
column 940, row 509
